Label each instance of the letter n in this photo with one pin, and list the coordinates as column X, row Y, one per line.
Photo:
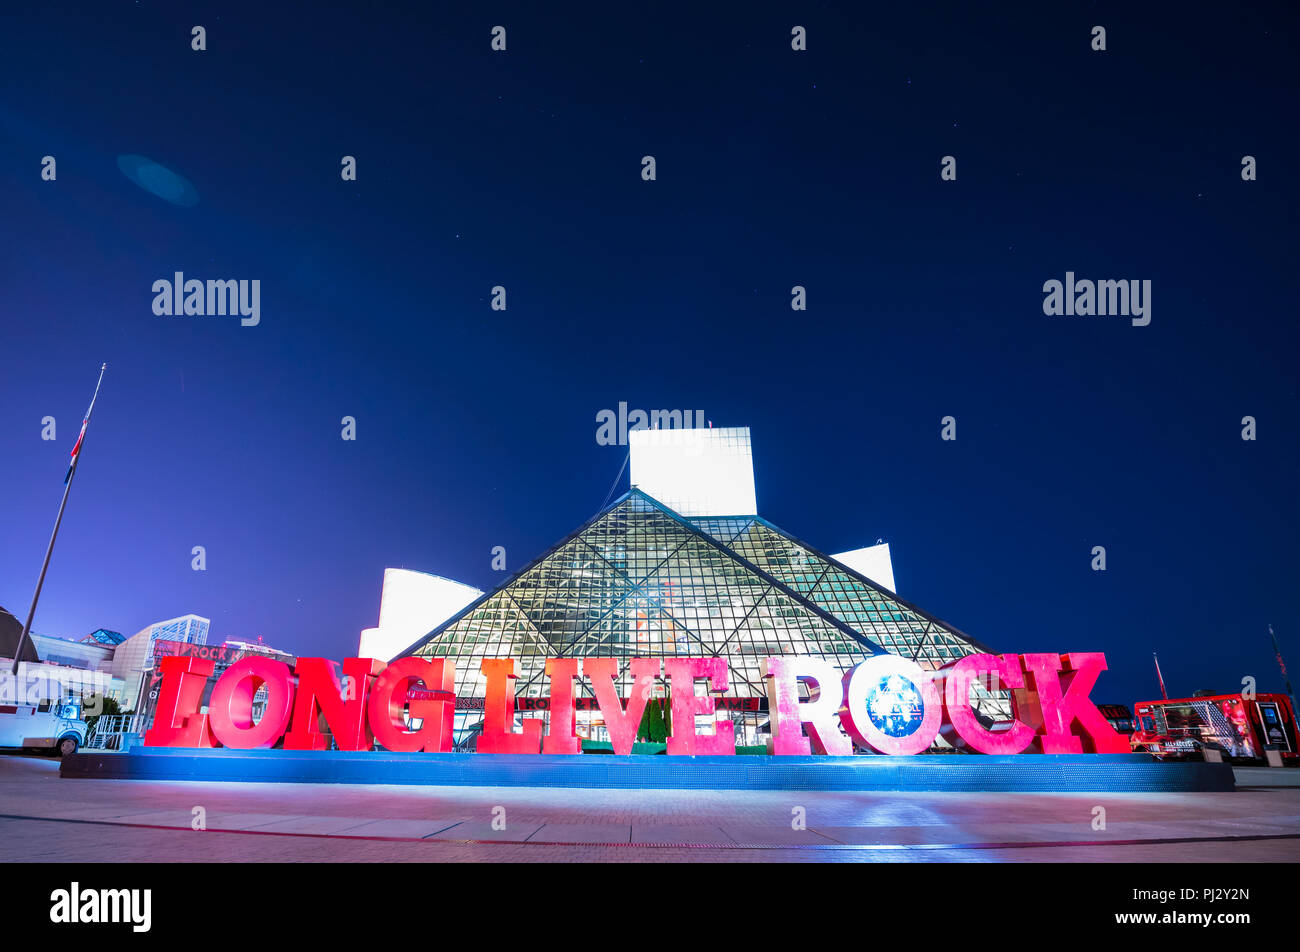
column 321, row 693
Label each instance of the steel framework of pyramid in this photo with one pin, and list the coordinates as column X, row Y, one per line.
column 640, row 580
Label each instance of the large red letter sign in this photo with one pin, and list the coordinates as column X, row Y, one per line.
column 231, row 711
column 1059, row 711
column 390, row 695
column 956, row 702
column 498, row 736
column 891, row 705
column 622, row 724
column 788, row 715
column 682, row 675
column 177, row 722
column 319, row 689
column 887, row 703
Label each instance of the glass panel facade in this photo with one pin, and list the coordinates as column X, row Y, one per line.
column 190, row 629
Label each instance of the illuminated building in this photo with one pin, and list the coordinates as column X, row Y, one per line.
column 705, row 577
column 134, row 656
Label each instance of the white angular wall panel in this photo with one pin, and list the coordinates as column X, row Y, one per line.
column 412, row 605
column 873, row 562
column 695, row 472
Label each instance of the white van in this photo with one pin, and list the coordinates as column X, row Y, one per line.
column 55, row 726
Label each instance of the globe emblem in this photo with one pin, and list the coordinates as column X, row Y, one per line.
column 895, row 706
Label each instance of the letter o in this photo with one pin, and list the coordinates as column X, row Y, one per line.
column 230, row 713
column 891, row 705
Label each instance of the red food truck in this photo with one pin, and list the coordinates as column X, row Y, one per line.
column 1241, row 727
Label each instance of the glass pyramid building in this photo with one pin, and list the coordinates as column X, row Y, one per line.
column 640, row 580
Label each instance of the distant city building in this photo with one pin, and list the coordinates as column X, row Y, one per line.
column 125, row 669
column 53, row 665
column 103, row 636
column 134, row 656
column 91, row 656
column 11, row 630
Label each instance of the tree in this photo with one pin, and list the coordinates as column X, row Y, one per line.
column 656, row 722
column 102, row 704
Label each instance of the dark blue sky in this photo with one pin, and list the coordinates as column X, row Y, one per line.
column 477, row 428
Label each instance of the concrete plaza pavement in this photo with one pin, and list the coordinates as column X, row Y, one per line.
column 47, row 818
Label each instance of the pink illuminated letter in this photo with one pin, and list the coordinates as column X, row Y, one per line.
column 891, row 705
column 231, row 711
column 178, row 722
column 621, row 723
column 682, row 675
column 498, row 735
column 320, row 692
column 958, row 678
column 1059, row 710
column 562, row 738
column 788, row 714
column 435, row 708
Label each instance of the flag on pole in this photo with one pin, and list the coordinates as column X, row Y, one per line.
column 76, row 450
column 58, row 521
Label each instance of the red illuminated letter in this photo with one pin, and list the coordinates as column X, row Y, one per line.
column 682, row 675
column 498, row 736
column 622, row 724
column 177, row 722
column 390, row 697
column 956, row 702
column 231, row 711
column 319, row 691
column 562, row 738
column 1058, row 711
column 891, row 705
column 788, row 715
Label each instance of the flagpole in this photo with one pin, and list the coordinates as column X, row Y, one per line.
column 1163, row 693
column 1282, row 665
column 40, row 582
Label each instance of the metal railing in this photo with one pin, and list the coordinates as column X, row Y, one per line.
column 107, row 731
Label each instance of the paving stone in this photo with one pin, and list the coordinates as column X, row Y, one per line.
column 482, row 830
column 407, row 829
column 582, row 833
column 312, row 824
column 774, row 835
column 680, row 833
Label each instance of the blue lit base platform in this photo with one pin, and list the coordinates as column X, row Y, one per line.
column 1048, row 773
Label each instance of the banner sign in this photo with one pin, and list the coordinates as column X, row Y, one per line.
column 220, row 654
column 887, row 704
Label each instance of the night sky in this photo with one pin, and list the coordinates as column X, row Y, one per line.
column 775, row 168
